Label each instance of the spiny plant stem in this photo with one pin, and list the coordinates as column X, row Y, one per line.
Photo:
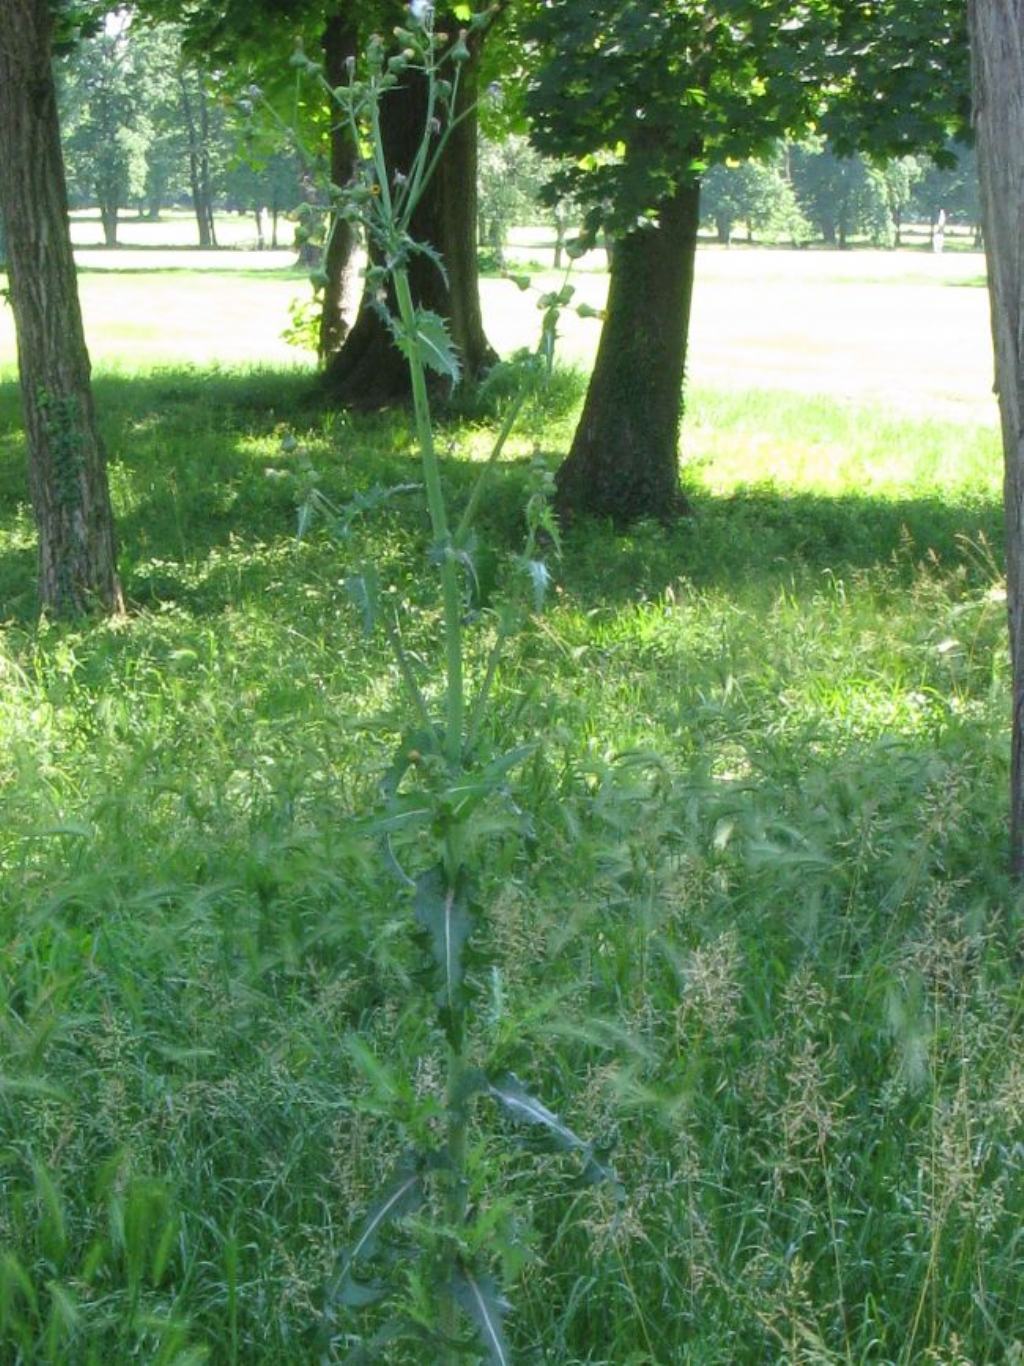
column 455, row 1195
column 452, row 597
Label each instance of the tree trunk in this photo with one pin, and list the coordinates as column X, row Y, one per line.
column 997, row 53
column 496, row 243
column 340, row 41
column 624, row 461
column 205, row 187
column 66, row 459
column 108, row 218
column 196, row 119
column 310, row 216
column 369, row 371
column 723, row 229
column 560, row 228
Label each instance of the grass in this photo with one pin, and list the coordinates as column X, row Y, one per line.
column 760, row 941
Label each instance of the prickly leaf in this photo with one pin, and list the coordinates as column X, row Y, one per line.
column 403, row 1195
column 364, row 591
column 481, row 1299
column 442, row 912
column 513, row 1096
column 435, row 346
column 540, row 578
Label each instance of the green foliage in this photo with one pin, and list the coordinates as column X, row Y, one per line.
column 644, row 96
column 447, row 802
column 116, row 88
column 902, row 79
column 756, row 193
column 511, row 176
column 777, row 965
column 843, row 196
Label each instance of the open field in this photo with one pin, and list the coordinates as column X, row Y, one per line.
column 758, row 941
column 905, row 330
column 173, row 237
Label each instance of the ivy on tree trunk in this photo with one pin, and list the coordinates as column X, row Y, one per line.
column 997, row 52
column 66, row 458
column 624, row 461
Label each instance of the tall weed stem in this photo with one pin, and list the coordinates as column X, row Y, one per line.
column 451, row 594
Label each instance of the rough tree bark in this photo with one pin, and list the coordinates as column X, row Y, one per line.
column 997, row 56
column 369, row 371
column 624, row 461
column 66, row 459
column 340, row 41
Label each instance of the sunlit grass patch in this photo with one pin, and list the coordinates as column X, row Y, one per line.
column 812, row 445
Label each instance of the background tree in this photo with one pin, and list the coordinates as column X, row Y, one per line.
column 112, row 84
column 757, row 193
column 997, row 50
column 198, row 119
column 368, row 370
column 66, row 458
column 511, row 176
column 251, row 39
column 642, row 97
column 267, row 186
column 166, row 177
column 249, row 42
column 842, row 196
column 952, row 189
column 900, row 177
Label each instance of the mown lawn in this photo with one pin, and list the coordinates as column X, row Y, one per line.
column 758, row 942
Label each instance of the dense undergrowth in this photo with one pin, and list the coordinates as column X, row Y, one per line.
column 760, row 941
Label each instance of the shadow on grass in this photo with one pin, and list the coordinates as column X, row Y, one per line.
column 769, row 536
column 199, row 515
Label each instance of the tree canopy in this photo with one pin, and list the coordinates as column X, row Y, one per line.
column 643, row 96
